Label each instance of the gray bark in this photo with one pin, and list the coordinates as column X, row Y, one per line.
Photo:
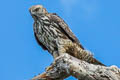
column 66, row 65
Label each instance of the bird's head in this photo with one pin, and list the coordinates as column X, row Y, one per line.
column 37, row 10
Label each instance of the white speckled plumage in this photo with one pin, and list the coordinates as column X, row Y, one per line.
column 54, row 35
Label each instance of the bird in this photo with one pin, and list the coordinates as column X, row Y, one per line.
column 54, row 35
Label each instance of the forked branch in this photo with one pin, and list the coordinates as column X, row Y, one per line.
column 67, row 65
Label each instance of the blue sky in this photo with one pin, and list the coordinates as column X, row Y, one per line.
column 96, row 23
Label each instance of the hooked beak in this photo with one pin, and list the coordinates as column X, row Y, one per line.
column 31, row 12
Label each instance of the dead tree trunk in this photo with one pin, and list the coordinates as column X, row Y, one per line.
column 66, row 65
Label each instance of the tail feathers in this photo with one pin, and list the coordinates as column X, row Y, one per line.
column 97, row 62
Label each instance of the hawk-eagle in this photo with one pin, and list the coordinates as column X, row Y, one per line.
column 54, row 35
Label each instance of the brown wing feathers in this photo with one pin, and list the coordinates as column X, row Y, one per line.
column 65, row 28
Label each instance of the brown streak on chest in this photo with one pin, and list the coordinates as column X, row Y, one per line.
column 40, row 42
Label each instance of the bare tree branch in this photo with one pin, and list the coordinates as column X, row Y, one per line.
column 67, row 65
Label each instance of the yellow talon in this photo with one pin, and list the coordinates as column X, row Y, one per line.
column 48, row 68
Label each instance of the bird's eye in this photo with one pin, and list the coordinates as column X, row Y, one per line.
column 37, row 9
